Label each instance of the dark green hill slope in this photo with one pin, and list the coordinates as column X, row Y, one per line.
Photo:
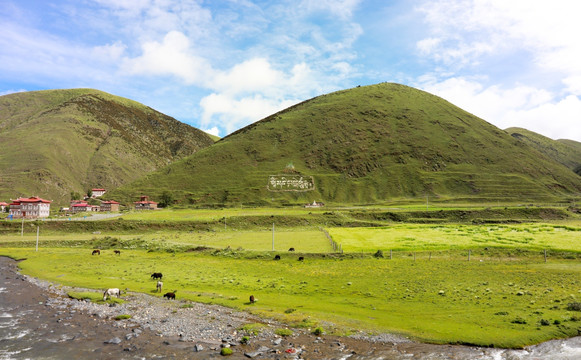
column 58, row 141
column 566, row 152
column 367, row 144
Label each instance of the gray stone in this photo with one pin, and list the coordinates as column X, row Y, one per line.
column 277, row 341
column 198, row 348
column 115, row 341
column 253, row 354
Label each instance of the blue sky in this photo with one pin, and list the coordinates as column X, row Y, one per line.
column 221, row 65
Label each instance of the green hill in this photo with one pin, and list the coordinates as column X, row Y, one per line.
column 566, row 152
column 58, row 141
column 364, row 145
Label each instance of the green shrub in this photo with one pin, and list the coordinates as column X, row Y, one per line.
column 245, row 340
column 545, row 322
column 226, row 352
column 253, row 329
column 519, row 320
column 378, row 254
column 288, row 311
column 575, row 306
column 122, row 317
column 283, row 332
column 319, row 331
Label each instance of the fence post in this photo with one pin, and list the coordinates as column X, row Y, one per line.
column 469, row 254
column 390, row 254
column 430, row 255
column 545, row 255
column 414, row 256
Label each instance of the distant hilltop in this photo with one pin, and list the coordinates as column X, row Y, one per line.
column 364, row 145
column 56, row 142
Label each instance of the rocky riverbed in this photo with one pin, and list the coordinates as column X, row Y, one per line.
column 39, row 321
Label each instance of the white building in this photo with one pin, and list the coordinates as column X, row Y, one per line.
column 98, row 192
column 30, row 208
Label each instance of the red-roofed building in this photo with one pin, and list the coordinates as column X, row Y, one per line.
column 98, row 192
column 3, row 206
column 78, row 206
column 30, row 208
column 110, row 205
column 145, row 204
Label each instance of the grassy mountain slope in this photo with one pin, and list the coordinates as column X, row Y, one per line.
column 367, row 144
column 58, row 141
column 566, row 152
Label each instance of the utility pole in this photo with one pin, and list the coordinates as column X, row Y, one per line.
column 22, row 228
column 37, row 232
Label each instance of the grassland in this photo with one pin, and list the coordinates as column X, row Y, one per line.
column 429, row 237
column 471, row 282
column 443, row 300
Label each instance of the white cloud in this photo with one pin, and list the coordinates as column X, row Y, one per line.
column 463, row 30
column 212, row 131
column 173, row 56
column 340, row 8
column 557, row 120
column 253, row 75
column 109, row 52
column 531, row 108
column 528, row 51
column 233, row 113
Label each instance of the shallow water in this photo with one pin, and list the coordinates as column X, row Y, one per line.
column 30, row 329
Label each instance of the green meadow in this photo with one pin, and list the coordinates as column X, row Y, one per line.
column 485, row 284
column 409, row 237
column 496, row 302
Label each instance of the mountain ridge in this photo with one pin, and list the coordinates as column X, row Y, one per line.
column 69, row 140
column 365, row 145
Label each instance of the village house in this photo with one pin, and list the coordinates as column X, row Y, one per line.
column 30, row 208
column 3, row 206
column 110, row 205
column 78, row 206
column 145, row 204
column 97, row 192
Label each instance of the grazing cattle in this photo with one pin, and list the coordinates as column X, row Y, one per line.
column 277, row 257
column 170, row 295
column 155, row 276
column 96, row 252
column 111, row 292
column 252, row 300
column 301, row 258
column 117, row 252
column 291, row 249
column 159, row 286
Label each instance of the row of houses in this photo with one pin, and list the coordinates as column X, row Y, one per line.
column 78, row 206
column 36, row 207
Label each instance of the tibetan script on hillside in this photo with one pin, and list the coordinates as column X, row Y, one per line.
column 290, row 183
